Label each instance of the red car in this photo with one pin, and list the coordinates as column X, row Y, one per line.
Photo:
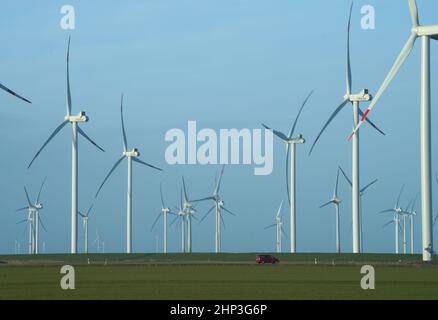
column 266, row 258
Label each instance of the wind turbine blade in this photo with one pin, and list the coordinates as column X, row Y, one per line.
column 435, row 220
column 284, row 233
column 55, row 132
column 173, row 221
column 13, row 93
column 337, row 184
column 156, row 220
column 279, row 208
column 42, row 224
column 414, row 13
column 349, row 77
column 226, row 210
column 387, row 210
column 203, row 199
column 270, row 226
column 89, row 209
column 22, row 221
column 109, row 174
column 223, row 222
column 82, row 133
column 22, row 209
column 371, row 123
column 81, row 214
column 399, row 196
column 345, row 176
column 279, row 134
column 292, row 130
column 287, row 172
column 161, row 195
column 186, row 197
column 368, row 185
column 436, row 177
column 218, row 186
column 395, row 68
column 125, row 141
column 415, row 201
column 333, row 115
column 68, row 79
column 41, row 188
column 146, row 164
column 325, row 204
column 27, row 197
column 387, row 224
column 205, row 216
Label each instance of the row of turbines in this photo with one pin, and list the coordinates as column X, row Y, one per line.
column 186, row 209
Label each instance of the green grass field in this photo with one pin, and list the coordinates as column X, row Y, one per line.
column 210, row 276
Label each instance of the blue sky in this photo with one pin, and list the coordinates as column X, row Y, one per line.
column 225, row 64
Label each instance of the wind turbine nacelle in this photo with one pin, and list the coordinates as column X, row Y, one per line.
column 364, row 95
column 80, row 117
column 39, row 206
column 299, row 140
column 426, row 30
column 134, row 153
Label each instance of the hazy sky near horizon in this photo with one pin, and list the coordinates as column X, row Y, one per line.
column 225, row 64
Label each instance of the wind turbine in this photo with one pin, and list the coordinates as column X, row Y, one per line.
column 34, row 219
column 188, row 210
column 425, row 33
column 132, row 155
column 74, row 120
column 397, row 212
column 85, row 216
column 291, row 143
column 29, row 221
column 181, row 215
column 278, row 227
column 355, row 100
column 164, row 212
column 13, row 93
column 218, row 206
column 412, row 214
column 361, row 193
column 97, row 241
column 336, row 202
